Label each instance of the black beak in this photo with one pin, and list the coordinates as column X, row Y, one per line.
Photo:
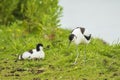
column 71, row 37
column 69, row 44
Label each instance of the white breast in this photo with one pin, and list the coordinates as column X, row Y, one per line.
column 37, row 54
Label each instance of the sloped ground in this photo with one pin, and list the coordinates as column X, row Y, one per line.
column 102, row 63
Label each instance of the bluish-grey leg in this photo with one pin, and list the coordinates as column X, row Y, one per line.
column 77, row 55
column 85, row 54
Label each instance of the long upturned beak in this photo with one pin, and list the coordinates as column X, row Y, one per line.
column 69, row 44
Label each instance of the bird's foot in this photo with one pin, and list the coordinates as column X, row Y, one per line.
column 74, row 63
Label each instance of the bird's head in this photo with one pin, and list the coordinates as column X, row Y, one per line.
column 39, row 47
column 72, row 37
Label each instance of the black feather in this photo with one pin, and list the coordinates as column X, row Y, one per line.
column 88, row 37
column 30, row 51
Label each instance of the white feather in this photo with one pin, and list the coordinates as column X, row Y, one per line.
column 37, row 54
column 25, row 55
column 79, row 36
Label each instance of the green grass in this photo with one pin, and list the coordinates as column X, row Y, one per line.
column 102, row 63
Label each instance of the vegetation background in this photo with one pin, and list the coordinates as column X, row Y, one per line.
column 24, row 23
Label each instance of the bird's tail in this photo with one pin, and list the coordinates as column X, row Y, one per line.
column 20, row 57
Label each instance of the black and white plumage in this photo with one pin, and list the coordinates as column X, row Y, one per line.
column 79, row 36
column 37, row 53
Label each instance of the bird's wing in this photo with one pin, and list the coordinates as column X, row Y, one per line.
column 30, row 51
column 87, row 37
column 82, row 30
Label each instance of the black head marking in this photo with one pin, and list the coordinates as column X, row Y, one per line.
column 88, row 37
column 71, row 37
column 82, row 30
column 30, row 51
column 38, row 46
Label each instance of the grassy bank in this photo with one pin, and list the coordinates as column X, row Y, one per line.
column 102, row 63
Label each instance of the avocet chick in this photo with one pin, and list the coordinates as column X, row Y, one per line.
column 37, row 53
